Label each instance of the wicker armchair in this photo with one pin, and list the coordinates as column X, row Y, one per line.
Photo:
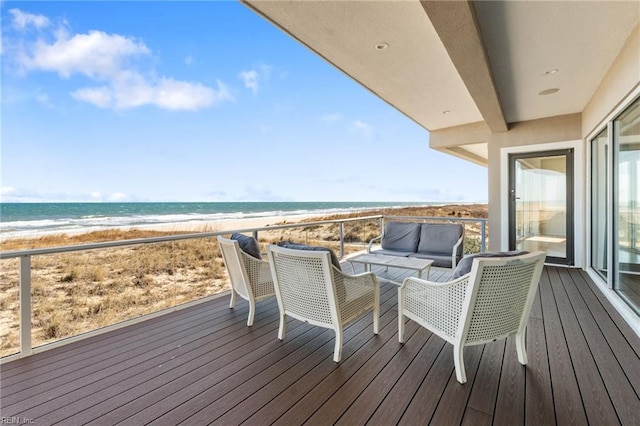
column 309, row 288
column 250, row 277
column 491, row 302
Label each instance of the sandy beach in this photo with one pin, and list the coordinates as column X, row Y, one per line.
column 224, row 225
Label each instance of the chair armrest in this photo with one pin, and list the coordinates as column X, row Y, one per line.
column 454, row 257
column 367, row 279
column 437, row 306
column 371, row 243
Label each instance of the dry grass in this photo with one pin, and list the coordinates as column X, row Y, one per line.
column 82, row 291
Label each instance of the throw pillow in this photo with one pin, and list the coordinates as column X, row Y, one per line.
column 248, row 245
column 464, row 266
column 334, row 258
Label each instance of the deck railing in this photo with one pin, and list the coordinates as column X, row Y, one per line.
column 25, row 266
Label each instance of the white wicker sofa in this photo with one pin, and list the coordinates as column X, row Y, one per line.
column 440, row 242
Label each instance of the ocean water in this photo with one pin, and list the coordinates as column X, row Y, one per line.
column 27, row 219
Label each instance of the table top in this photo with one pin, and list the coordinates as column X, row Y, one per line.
column 394, row 261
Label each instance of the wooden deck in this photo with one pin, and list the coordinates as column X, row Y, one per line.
column 203, row 365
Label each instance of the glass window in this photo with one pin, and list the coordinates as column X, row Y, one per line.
column 599, row 216
column 626, row 204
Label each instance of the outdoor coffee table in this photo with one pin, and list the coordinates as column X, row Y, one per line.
column 418, row 265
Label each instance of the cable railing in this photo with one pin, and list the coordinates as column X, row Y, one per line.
column 312, row 233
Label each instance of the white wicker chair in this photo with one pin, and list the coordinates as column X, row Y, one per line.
column 309, row 288
column 250, row 277
column 491, row 302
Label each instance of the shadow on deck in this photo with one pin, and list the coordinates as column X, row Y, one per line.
column 203, row 365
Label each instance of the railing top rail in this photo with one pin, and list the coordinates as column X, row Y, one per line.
column 167, row 238
column 440, row 218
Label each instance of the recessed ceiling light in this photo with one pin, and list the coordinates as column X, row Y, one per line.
column 446, row 111
column 548, row 91
column 548, row 72
column 382, row 46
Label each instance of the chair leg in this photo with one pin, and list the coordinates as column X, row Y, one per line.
column 458, row 360
column 337, row 351
column 376, row 319
column 521, row 348
column 252, row 313
column 376, row 309
column 233, row 299
column 283, row 327
column 400, row 327
column 400, row 317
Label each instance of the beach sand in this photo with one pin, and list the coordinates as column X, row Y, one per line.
column 224, row 225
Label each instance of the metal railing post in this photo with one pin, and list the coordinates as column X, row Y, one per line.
column 483, row 239
column 341, row 239
column 25, row 305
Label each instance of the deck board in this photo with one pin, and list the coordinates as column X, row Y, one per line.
column 539, row 391
column 203, row 365
column 597, row 404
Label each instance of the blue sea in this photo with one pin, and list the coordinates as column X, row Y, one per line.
column 28, row 219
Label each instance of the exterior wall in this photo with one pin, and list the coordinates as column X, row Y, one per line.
column 544, row 131
column 621, row 80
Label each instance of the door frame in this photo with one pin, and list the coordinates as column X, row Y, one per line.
column 568, row 153
column 579, row 195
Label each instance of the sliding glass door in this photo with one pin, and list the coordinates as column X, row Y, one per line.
column 626, row 199
column 615, row 204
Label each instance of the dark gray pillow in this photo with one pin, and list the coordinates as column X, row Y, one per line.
column 401, row 236
column 248, row 245
column 464, row 267
column 296, row 246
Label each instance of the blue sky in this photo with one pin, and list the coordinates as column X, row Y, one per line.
column 198, row 101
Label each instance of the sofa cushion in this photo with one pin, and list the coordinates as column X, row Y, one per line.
column 439, row 238
column 248, row 245
column 464, row 267
column 334, row 259
column 400, row 236
column 439, row 260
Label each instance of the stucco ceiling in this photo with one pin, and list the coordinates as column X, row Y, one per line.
column 423, row 71
column 525, row 40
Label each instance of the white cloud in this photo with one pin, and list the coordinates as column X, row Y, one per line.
column 7, row 190
column 173, row 94
column 96, row 195
column 253, row 78
column 99, row 96
column 250, row 79
column 118, row 196
column 362, row 127
column 115, row 61
column 23, row 19
column 97, row 55
column 165, row 93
